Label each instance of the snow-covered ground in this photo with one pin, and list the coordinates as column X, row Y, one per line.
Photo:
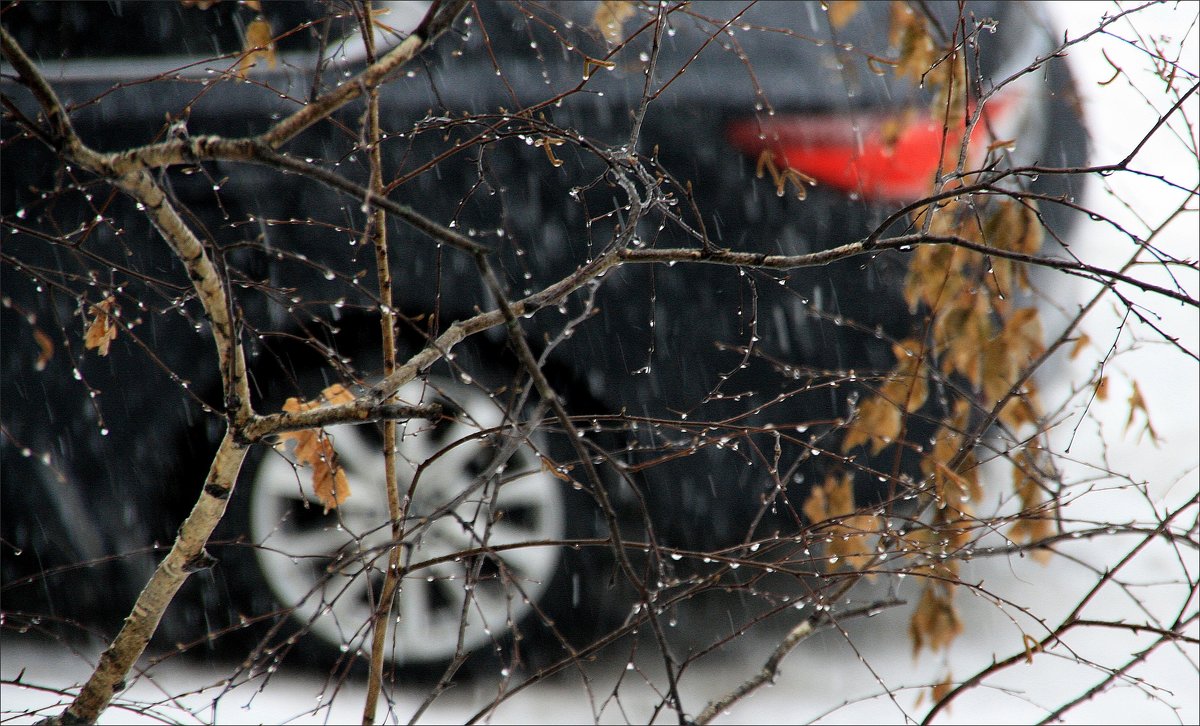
column 824, row 679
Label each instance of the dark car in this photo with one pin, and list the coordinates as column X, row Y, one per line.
column 689, row 373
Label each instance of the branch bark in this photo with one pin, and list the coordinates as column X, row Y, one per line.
column 187, row 555
column 387, row 323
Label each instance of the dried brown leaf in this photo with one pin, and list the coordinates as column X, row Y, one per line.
column 878, row 421
column 1035, row 521
column 832, row 498
column 894, row 126
column 960, row 332
column 559, row 472
column 853, row 536
column 1014, row 226
column 1023, row 335
column 1031, row 646
column 942, row 272
column 102, row 331
column 908, row 34
column 45, row 350
column 840, row 12
column 900, row 17
column 313, row 449
column 907, row 384
column 1005, row 359
column 1137, row 402
column 329, row 478
column 942, row 689
column 952, row 486
column 854, row 542
column 257, row 44
column 935, row 622
column 609, row 18
column 1080, row 343
column 336, row 394
column 308, row 447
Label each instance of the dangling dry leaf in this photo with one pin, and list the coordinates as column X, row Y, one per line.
column 1005, row 360
column 312, row 448
column 878, row 422
column 1035, row 520
column 952, row 486
column 935, row 622
column 337, row 393
column 833, row 498
column 898, row 22
column 941, row 690
column 894, row 125
column 907, row 384
column 257, row 44
column 1138, row 403
column 334, row 394
column 610, row 15
column 853, row 536
column 45, row 350
column 329, row 478
column 936, row 272
column 548, row 143
column 1023, row 335
column 916, row 49
column 854, row 542
column 1031, row 646
column 961, row 331
column 103, row 329
column 999, row 372
column 840, row 12
column 1014, row 226
column 1080, row 343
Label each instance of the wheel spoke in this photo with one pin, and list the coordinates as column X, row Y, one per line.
column 535, row 564
column 348, row 593
column 280, row 477
column 534, row 489
column 355, row 453
column 414, row 605
column 324, row 542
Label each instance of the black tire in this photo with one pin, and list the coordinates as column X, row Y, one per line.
column 320, row 572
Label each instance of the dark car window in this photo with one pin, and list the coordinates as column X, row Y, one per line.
column 79, row 30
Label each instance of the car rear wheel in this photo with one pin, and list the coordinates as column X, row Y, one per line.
column 331, row 565
column 484, row 568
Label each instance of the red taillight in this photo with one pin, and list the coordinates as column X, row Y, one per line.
column 888, row 156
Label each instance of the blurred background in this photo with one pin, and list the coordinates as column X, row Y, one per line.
column 878, row 680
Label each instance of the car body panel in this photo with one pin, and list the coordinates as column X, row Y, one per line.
column 667, row 344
